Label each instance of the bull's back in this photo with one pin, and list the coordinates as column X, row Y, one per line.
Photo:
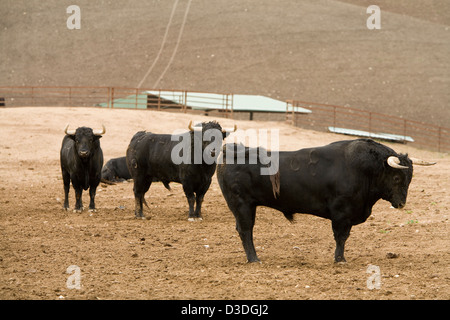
column 150, row 154
column 306, row 179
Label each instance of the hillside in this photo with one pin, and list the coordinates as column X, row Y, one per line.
column 317, row 51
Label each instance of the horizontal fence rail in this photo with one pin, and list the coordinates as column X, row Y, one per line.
column 322, row 118
column 54, row 96
column 115, row 97
column 325, row 117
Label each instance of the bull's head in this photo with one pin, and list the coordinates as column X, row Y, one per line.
column 209, row 131
column 399, row 177
column 86, row 139
column 213, row 125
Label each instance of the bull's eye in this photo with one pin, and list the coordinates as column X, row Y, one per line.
column 396, row 179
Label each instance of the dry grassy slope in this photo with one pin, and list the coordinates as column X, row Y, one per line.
column 311, row 50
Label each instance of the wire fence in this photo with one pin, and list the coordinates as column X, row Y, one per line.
column 116, row 97
column 18, row 96
column 326, row 117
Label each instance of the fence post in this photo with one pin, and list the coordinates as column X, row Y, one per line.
column 108, row 97
column 136, row 102
column 159, row 100
column 334, row 117
column 294, row 113
column 226, row 105
column 439, row 139
column 404, row 131
column 232, row 105
column 112, row 97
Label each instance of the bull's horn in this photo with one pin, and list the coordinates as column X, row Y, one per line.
column 421, row 162
column 100, row 132
column 69, row 132
column 394, row 162
column 191, row 128
column 229, row 129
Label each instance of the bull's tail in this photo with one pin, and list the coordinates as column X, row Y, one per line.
column 275, row 180
column 145, row 202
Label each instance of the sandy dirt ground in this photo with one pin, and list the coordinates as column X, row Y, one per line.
column 168, row 257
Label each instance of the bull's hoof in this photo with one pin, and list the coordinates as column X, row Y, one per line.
column 256, row 260
column 77, row 210
column 340, row 260
column 92, row 210
column 195, row 219
column 141, row 217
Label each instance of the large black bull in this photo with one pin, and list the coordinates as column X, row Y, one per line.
column 81, row 162
column 341, row 182
column 151, row 157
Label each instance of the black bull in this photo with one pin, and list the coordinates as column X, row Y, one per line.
column 341, row 182
column 81, row 159
column 150, row 158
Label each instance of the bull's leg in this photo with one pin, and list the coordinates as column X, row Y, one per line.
column 189, row 192
column 141, row 186
column 92, row 191
column 341, row 230
column 198, row 206
column 191, row 201
column 66, row 181
column 78, row 200
column 245, row 220
column 138, row 213
column 200, row 194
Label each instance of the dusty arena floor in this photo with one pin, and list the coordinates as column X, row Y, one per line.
column 167, row 257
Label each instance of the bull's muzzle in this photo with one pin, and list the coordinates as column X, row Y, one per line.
column 84, row 154
column 400, row 205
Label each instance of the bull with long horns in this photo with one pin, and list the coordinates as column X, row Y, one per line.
column 340, row 181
